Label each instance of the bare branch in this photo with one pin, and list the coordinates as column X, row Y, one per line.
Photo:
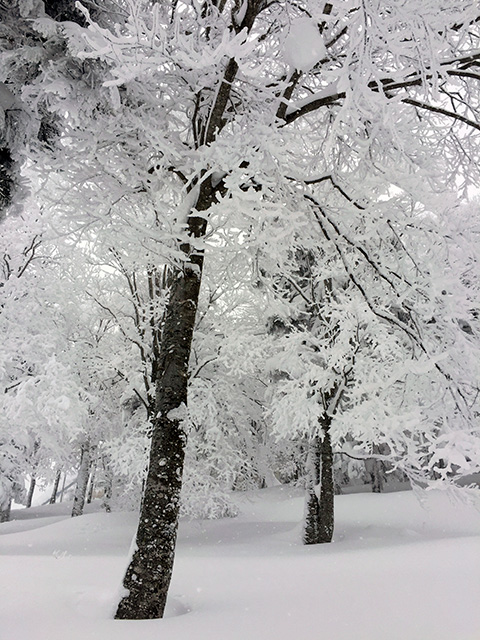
column 443, row 112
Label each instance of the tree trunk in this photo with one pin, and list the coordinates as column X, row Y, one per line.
column 5, row 510
column 375, row 470
column 319, row 510
column 82, row 480
column 91, row 487
column 312, row 504
column 148, row 576
column 31, row 490
column 107, row 487
column 327, row 489
column 375, row 473
column 62, row 492
column 56, row 482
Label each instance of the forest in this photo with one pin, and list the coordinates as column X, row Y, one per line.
column 239, row 256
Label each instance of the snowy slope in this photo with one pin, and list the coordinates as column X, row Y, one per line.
column 397, row 570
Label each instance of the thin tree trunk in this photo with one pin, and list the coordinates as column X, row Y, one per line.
column 107, row 488
column 312, row 504
column 82, row 480
column 31, row 490
column 56, row 482
column 91, row 487
column 374, row 471
column 62, row 492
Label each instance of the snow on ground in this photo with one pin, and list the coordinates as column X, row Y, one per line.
column 397, row 570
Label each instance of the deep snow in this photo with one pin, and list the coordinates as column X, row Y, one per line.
column 397, row 570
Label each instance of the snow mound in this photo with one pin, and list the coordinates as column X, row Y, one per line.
column 397, row 569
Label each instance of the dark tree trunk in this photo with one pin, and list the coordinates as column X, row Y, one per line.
column 31, row 490
column 82, row 480
column 5, row 511
column 312, row 504
column 319, row 509
column 7, row 180
column 56, row 482
column 62, row 492
column 148, row 576
column 375, row 470
column 327, row 489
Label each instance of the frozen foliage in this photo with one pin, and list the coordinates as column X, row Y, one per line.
column 401, row 370
column 318, row 157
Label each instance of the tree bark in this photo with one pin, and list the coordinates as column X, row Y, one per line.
column 319, row 509
column 5, row 511
column 91, row 487
column 312, row 504
column 82, row 480
column 56, row 482
column 375, row 470
column 31, row 490
column 107, row 487
column 62, row 492
column 327, row 489
column 148, row 576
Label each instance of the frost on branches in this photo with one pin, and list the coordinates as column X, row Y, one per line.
column 321, row 150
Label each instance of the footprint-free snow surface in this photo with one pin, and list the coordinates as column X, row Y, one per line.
column 398, row 569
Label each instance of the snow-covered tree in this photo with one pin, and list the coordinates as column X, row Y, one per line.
column 305, row 121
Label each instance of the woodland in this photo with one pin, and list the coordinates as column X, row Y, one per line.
column 239, row 250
